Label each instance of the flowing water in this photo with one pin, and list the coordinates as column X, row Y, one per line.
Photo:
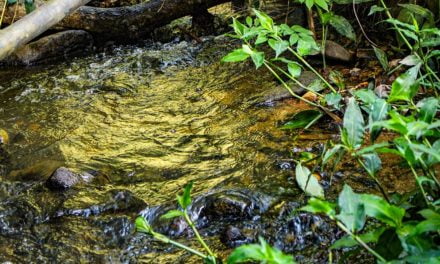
column 144, row 121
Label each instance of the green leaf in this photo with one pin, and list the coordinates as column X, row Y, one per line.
column 322, row 4
column 249, row 21
column 380, row 209
column 379, row 110
column 305, row 47
column 258, row 58
column 421, row 11
column 435, row 153
column 261, row 39
column 333, row 99
column 331, row 152
column 353, row 125
column 11, row 2
column 317, row 206
column 303, row 119
column 428, row 109
column 342, row 26
column 29, row 5
column 382, row 57
column 366, row 96
column 265, row 21
column 431, row 160
column 372, row 163
column 309, row 3
column 238, row 27
column 352, row 213
column 411, row 60
column 142, row 225
column 185, row 200
column 316, row 86
column 369, row 237
column 307, row 182
column 294, row 69
column 262, row 252
column 293, row 39
column 235, row 56
column 172, row 214
column 345, row 2
column 405, row 87
column 374, row 9
column 279, row 46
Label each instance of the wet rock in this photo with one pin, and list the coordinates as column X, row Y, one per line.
column 336, row 52
column 234, row 236
column 62, row 179
column 53, row 47
column 279, row 92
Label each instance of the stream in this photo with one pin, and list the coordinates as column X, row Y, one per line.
column 143, row 121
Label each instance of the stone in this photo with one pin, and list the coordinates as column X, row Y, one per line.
column 63, row 179
column 58, row 46
column 336, row 52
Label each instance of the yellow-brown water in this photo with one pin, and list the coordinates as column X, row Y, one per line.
column 148, row 120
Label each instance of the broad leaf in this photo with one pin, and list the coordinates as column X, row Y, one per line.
column 382, row 57
column 294, row 69
column 342, row 26
column 317, row 206
column 142, row 225
column 405, row 87
column 235, row 56
column 428, row 109
column 279, row 46
column 372, row 163
column 379, row 110
column 333, row 99
column 307, row 182
column 331, row 152
column 366, row 96
column 258, row 58
column 353, row 130
column 352, row 213
column 369, row 237
column 380, row 209
column 265, row 21
column 303, row 119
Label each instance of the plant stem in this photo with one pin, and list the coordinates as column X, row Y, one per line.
column 419, row 184
column 379, row 185
column 199, row 238
column 312, row 69
column 287, row 86
column 360, row 241
column 165, row 239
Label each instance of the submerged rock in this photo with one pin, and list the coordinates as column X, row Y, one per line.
column 51, row 48
column 62, row 179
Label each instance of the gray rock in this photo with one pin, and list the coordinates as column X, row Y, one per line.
column 62, row 179
column 279, row 92
column 336, row 52
column 58, row 46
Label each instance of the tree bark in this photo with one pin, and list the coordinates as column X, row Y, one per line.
column 135, row 21
column 32, row 25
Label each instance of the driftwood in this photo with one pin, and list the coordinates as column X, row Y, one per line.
column 131, row 22
column 37, row 22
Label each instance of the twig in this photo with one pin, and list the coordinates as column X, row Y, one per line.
column 360, row 25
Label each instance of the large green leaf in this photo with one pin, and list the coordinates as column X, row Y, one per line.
column 405, row 87
column 342, row 26
column 380, row 209
column 366, row 96
column 303, row 119
column 428, row 109
column 279, row 46
column 372, row 163
column 379, row 110
column 265, row 21
column 307, row 182
column 262, row 252
column 235, row 56
column 349, row 241
column 353, row 130
column 318, row 206
column 352, row 213
column 172, row 214
column 333, row 99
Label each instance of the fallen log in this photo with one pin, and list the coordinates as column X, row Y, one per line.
column 32, row 25
column 132, row 22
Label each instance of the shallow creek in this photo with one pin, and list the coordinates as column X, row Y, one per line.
column 144, row 121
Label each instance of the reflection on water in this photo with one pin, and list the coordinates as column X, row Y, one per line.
column 148, row 118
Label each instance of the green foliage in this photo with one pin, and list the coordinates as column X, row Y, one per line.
column 342, row 26
column 353, row 126
column 303, row 119
column 352, row 211
column 382, row 57
column 405, row 87
column 262, row 252
column 184, row 200
column 307, row 182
